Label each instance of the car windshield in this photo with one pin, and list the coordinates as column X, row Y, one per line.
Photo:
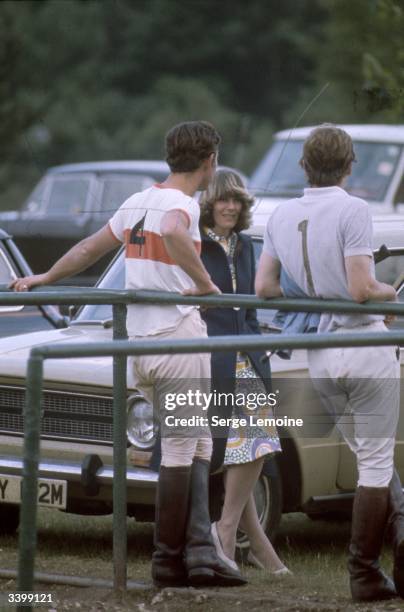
column 279, row 173
column 114, row 278
column 6, row 272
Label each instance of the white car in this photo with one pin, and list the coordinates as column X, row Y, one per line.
column 377, row 177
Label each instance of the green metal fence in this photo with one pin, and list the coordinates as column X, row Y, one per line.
column 120, row 348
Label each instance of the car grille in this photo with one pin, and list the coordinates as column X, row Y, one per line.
column 65, row 415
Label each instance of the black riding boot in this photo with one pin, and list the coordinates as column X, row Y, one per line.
column 369, row 516
column 202, row 563
column 396, row 528
column 171, row 520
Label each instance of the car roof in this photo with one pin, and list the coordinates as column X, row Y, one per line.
column 140, row 166
column 371, row 133
column 157, row 169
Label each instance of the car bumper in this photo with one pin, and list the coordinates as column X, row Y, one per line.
column 74, row 472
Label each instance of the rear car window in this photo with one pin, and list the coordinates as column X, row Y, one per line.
column 68, row 195
column 119, row 187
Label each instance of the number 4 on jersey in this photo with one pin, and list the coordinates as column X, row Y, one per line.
column 136, row 235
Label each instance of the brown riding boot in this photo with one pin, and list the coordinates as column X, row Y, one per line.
column 369, row 517
column 203, row 565
column 396, row 528
column 172, row 504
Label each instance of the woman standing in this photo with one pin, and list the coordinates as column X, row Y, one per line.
column 228, row 255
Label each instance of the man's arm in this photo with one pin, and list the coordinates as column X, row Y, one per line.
column 180, row 247
column 267, row 283
column 361, row 284
column 80, row 257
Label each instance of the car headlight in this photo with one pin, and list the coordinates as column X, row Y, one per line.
column 140, row 425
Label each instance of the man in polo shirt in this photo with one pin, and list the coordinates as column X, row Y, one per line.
column 323, row 241
column 159, row 228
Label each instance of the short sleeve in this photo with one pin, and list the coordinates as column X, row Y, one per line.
column 358, row 232
column 117, row 224
column 269, row 247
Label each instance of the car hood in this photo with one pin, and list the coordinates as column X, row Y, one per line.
column 93, row 371
column 264, row 207
column 14, row 353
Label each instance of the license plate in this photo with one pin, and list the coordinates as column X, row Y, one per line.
column 51, row 493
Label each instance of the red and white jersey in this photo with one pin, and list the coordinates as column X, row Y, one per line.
column 147, row 264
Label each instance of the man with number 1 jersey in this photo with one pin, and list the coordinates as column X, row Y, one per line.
column 323, row 241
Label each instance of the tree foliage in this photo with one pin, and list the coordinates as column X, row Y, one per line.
column 361, row 58
column 99, row 79
column 105, row 79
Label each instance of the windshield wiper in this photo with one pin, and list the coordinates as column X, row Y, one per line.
column 270, row 327
column 90, row 322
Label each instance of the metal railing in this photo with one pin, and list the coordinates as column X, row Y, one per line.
column 120, row 348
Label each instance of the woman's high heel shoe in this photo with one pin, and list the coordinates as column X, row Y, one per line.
column 219, row 549
column 252, row 559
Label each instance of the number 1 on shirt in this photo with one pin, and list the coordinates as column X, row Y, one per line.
column 302, row 227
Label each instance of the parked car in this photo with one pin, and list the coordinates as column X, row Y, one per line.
column 22, row 319
column 71, row 202
column 314, row 474
column 377, row 177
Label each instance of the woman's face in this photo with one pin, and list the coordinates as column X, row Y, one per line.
column 225, row 216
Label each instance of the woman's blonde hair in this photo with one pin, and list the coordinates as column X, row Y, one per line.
column 226, row 184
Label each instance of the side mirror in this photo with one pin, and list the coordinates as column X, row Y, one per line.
column 381, row 254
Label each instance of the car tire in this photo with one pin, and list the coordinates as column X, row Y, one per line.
column 268, row 499
column 9, row 518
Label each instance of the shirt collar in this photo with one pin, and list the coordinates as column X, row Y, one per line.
column 324, row 191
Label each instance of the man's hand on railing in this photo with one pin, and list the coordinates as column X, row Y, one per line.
column 27, row 282
column 389, row 319
column 209, row 288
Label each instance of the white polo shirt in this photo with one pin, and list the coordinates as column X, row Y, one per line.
column 312, row 235
column 147, row 264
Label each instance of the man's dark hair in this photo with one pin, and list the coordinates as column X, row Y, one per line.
column 327, row 155
column 189, row 144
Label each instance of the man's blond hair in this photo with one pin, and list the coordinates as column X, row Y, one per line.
column 327, row 155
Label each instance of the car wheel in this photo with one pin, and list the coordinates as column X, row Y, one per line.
column 9, row 518
column 268, row 499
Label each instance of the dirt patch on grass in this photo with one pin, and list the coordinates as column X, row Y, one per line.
column 82, row 546
column 252, row 598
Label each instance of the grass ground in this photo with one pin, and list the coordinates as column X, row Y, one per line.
column 71, row 545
